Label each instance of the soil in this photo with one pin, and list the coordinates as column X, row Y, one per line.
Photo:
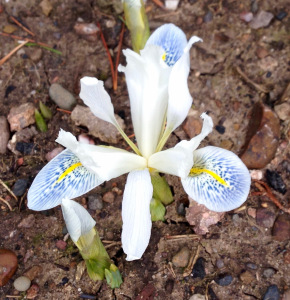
column 216, row 87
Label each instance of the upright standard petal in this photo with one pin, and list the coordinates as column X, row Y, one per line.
column 147, row 80
column 218, row 179
column 106, row 162
column 136, row 214
column 178, row 160
column 172, row 40
column 97, row 99
column 64, row 176
column 78, row 221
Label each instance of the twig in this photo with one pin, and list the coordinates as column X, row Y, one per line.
column 113, row 244
column 63, row 110
column 272, row 197
column 4, row 59
column 21, row 200
column 108, row 53
column 180, row 237
column 259, row 87
column 191, row 262
column 13, row 296
column 21, row 26
column 7, row 203
column 16, row 37
column 159, row 3
column 115, row 80
column 7, row 188
column 170, row 268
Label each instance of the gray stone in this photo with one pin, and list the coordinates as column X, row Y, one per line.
column 269, row 272
column 272, row 293
column 36, row 55
column 4, row 134
column 20, row 187
column 61, row 97
column 283, row 111
column 181, row 258
column 261, row 19
column 103, row 130
column 197, row 297
column 95, row 202
column 22, row 283
column 21, row 116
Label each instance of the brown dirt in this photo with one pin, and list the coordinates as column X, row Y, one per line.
column 215, row 86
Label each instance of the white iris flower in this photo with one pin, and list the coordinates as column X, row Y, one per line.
column 160, row 101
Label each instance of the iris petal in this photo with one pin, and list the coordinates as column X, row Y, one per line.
column 78, row 221
column 219, row 179
column 136, row 214
column 64, row 176
column 171, row 39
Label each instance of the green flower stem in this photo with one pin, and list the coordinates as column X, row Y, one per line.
column 97, row 260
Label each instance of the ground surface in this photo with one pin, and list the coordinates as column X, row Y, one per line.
column 216, row 87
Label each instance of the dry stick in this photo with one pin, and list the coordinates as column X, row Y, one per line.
column 63, row 110
column 115, row 80
column 158, row 3
column 21, row 26
column 259, row 87
column 7, row 188
column 272, row 197
column 16, row 37
column 108, row 53
column 4, row 59
column 6, row 202
column 113, row 244
column 166, row 15
column 192, row 262
column 180, row 237
column 170, row 268
column 21, row 200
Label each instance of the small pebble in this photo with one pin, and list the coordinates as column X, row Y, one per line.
column 52, row 154
column 22, row 283
column 224, row 280
column 268, row 74
column 256, row 174
column 219, row 263
column 281, row 15
column 181, row 258
column 246, row 16
column 25, row 148
column 8, row 265
column 61, row 245
column 286, row 257
column 198, row 270
column 21, row 116
column 261, row 19
column 62, row 97
column 86, row 28
column 197, row 297
column 251, row 266
column 269, row 272
column 208, row 17
column 20, row 187
column 283, row 111
column 4, row 134
column 171, row 4
column 64, row 281
column 46, row 7
column 272, row 293
column 220, row 129
column 275, row 180
column 109, row 83
column 95, row 202
column 109, row 197
column 181, row 209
